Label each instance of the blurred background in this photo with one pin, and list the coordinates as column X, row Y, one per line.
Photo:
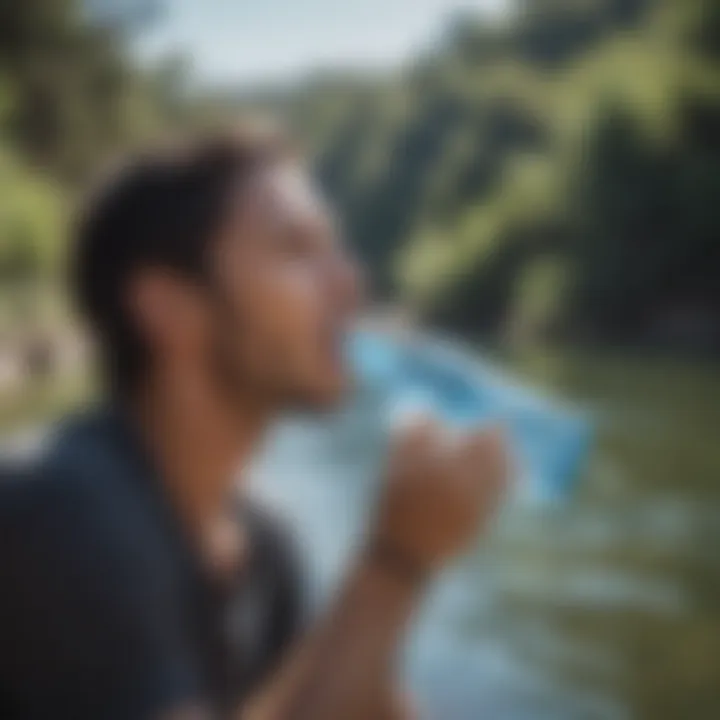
column 540, row 178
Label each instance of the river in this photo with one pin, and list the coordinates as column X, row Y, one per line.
column 603, row 605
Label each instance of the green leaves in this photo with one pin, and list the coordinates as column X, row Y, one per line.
column 578, row 132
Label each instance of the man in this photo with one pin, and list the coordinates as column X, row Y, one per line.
column 219, row 295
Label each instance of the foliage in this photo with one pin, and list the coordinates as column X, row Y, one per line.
column 70, row 99
column 585, row 132
column 581, row 136
column 31, row 218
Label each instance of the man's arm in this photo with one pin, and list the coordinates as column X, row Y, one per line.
column 344, row 664
column 437, row 496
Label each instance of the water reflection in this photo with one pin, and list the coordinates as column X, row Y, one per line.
column 604, row 606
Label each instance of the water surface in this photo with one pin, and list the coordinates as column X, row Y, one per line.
column 605, row 605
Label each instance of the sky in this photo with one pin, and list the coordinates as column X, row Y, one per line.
column 252, row 41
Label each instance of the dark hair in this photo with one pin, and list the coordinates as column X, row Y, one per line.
column 162, row 208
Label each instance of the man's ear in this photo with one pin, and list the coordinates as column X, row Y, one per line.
column 167, row 307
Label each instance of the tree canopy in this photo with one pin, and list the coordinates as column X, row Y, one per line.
column 583, row 134
column 554, row 171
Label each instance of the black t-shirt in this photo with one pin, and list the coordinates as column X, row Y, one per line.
column 105, row 612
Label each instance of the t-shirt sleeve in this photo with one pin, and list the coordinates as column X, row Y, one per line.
column 89, row 625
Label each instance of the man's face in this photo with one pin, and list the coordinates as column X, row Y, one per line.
column 286, row 293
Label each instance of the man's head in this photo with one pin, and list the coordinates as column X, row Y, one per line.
column 218, row 264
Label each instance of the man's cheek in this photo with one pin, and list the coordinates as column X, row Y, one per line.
column 289, row 327
column 284, row 304
column 270, row 301
column 300, row 299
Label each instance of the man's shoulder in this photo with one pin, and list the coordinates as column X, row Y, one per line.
column 72, row 460
column 70, row 495
column 90, row 616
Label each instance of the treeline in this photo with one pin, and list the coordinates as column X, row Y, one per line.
column 554, row 173
column 70, row 99
column 557, row 173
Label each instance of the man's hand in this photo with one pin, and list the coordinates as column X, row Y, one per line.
column 441, row 489
column 398, row 706
column 440, row 492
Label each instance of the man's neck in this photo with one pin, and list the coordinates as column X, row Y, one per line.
column 199, row 441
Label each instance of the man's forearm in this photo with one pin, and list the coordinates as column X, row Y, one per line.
column 439, row 490
column 341, row 669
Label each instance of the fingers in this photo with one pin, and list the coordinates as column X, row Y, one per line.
column 487, row 464
column 442, row 488
column 413, row 449
column 416, row 434
column 476, row 454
